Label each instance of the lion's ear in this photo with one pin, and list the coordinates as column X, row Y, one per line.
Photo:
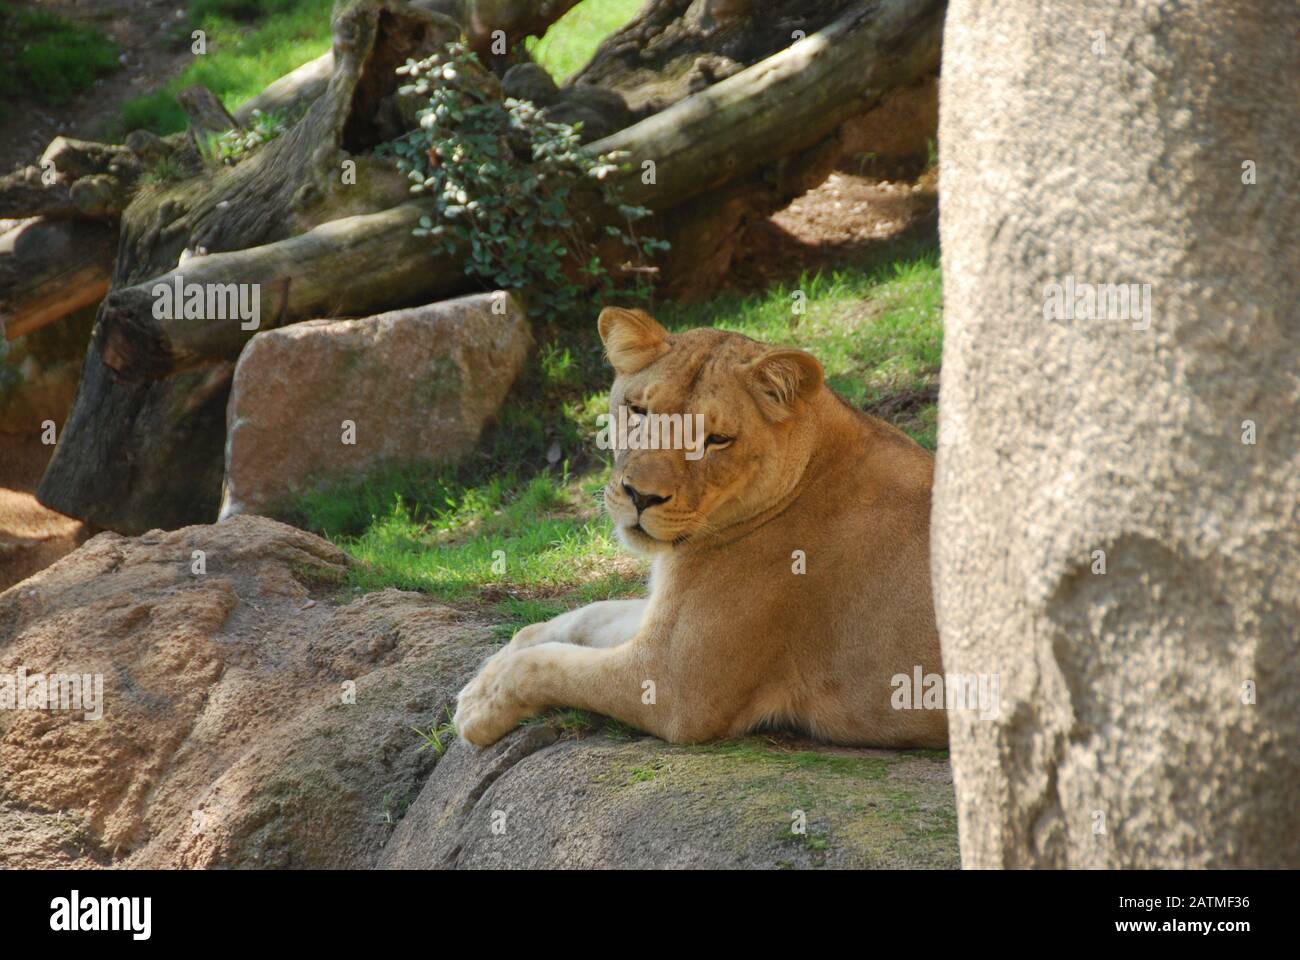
column 633, row 339
column 779, row 378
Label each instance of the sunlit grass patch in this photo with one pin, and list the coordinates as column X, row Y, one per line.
column 878, row 335
column 529, row 549
column 572, row 39
column 250, row 44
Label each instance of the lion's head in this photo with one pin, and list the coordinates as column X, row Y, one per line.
column 720, row 429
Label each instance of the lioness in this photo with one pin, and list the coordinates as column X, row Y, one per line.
column 790, row 562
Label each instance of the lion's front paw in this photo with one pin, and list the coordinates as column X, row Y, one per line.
column 488, row 707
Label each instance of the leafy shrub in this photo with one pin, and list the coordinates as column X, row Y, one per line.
column 501, row 177
column 233, row 145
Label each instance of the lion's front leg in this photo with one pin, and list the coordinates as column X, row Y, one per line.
column 606, row 623
column 519, row 683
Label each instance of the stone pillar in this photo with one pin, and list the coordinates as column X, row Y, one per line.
column 1116, row 529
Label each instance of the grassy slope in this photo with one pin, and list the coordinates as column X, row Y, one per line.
column 569, row 44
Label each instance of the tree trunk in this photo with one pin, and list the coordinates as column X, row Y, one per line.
column 1115, row 507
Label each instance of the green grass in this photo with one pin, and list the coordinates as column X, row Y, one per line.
column 251, row 43
column 878, row 334
column 572, row 39
column 48, row 58
column 526, row 537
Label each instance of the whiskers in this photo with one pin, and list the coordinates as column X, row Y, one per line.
column 697, row 527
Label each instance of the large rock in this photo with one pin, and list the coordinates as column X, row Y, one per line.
column 247, row 718
column 1150, row 713
column 253, row 718
column 535, row 800
column 331, row 400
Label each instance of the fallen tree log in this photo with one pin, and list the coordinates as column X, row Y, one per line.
column 293, row 90
column 673, row 48
column 516, row 19
column 51, row 268
column 780, row 106
column 383, row 262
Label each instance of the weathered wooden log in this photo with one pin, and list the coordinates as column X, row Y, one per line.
column 204, row 110
column 486, row 21
column 207, row 117
column 292, row 91
column 355, row 265
column 780, row 106
column 134, row 456
column 673, row 48
column 76, row 178
column 51, row 268
column 517, row 20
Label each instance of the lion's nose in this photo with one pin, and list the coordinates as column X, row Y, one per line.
column 643, row 501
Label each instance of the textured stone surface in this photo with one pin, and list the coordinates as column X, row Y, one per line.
column 534, row 801
column 226, row 738
column 1123, row 739
column 417, row 385
column 252, row 719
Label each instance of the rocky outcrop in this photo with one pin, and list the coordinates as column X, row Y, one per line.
column 246, row 718
column 332, row 400
column 253, row 714
column 1115, row 530
column 537, row 801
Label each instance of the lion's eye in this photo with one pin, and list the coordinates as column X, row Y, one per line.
column 635, row 410
column 717, row 440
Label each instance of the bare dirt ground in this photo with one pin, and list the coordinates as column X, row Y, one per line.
column 852, row 219
column 147, row 59
column 31, row 537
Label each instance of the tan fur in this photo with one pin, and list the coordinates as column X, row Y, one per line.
column 731, row 638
